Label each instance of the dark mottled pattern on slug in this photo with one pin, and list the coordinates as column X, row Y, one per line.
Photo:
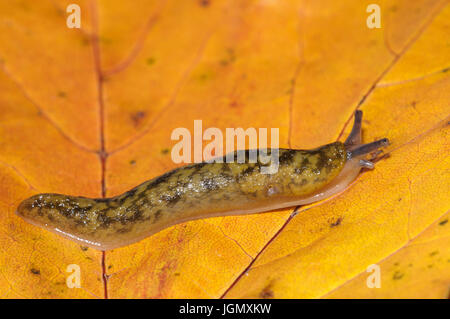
column 189, row 192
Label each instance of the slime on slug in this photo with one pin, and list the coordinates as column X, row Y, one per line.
column 203, row 190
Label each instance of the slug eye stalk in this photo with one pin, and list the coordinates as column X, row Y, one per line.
column 353, row 143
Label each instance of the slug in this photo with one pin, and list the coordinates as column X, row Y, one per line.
column 203, row 190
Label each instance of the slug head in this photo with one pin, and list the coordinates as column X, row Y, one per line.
column 356, row 150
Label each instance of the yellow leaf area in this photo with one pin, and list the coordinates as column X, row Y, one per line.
column 90, row 112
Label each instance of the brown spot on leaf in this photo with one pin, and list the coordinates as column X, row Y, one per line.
column 442, row 223
column 85, row 41
column 337, row 222
column 205, row 3
column 35, row 271
column 433, row 253
column 229, row 58
column 397, row 275
column 233, row 104
column 137, row 118
column 266, row 293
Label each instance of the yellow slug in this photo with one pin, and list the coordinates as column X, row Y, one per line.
column 203, row 190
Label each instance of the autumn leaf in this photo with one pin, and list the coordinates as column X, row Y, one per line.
column 90, row 112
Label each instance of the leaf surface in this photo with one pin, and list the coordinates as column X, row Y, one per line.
column 90, row 112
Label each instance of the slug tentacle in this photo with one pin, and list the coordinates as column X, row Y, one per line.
column 203, row 190
column 355, row 136
column 356, row 149
column 366, row 164
column 364, row 149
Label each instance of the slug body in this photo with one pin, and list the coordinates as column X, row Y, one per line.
column 202, row 190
